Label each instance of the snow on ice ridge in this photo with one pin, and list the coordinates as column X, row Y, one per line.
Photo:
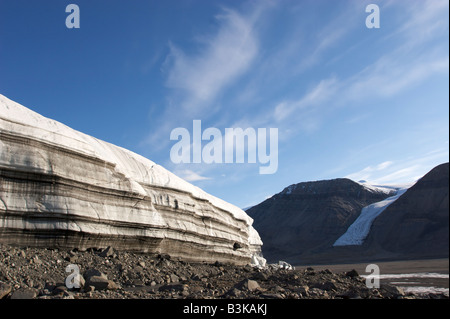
column 358, row 231
column 138, row 169
column 134, row 166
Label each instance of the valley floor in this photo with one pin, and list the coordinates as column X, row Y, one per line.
column 394, row 267
column 427, row 275
column 41, row 273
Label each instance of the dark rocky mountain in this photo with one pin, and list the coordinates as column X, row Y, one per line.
column 417, row 224
column 301, row 223
column 306, row 218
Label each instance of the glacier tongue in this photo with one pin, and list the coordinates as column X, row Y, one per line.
column 358, row 231
column 60, row 187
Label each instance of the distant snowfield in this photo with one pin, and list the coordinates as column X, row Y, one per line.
column 416, row 289
column 413, row 275
column 358, row 231
column 425, row 290
column 387, row 189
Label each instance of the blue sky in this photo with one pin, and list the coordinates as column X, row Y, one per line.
column 347, row 101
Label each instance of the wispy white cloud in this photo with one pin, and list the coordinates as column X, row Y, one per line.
column 223, row 57
column 400, row 171
column 327, row 37
column 407, row 63
column 389, row 75
column 399, row 69
column 198, row 80
column 298, row 51
column 358, row 118
column 424, row 20
column 408, row 174
column 319, row 94
column 369, row 171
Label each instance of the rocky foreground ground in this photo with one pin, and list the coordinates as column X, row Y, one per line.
column 41, row 273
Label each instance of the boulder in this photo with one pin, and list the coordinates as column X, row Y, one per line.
column 108, row 252
column 4, row 290
column 24, row 293
column 98, row 280
column 247, row 284
column 352, row 273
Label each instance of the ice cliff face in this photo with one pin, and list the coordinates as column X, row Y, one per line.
column 60, row 187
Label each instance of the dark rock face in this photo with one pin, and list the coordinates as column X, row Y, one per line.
column 301, row 223
column 308, row 217
column 417, row 224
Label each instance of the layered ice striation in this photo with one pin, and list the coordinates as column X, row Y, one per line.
column 60, row 187
column 358, row 231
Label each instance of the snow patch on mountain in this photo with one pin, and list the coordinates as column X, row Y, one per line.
column 288, row 190
column 390, row 190
column 358, row 231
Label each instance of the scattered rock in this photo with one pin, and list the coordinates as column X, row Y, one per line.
column 349, row 294
column 196, row 277
column 393, row 291
column 247, row 284
column 88, row 288
column 107, row 252
column 91, row 272
column 326, row 271
column 24, row 293
column 99, row 280
column 164, row 256
column 303, row 290
column 352, row 273
column 173, row 287
column 262, row 276
column 327, row 286
column 59, row 290
column 4, row 290
column 72, row 259
column 174, row 278
column 129, row 275
column 36, row 260
column 317, row 292
column 252, row 285
column 248, row 268
column 233, row 292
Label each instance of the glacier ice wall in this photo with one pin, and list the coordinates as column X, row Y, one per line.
column 60, row 187
column 358, row 231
